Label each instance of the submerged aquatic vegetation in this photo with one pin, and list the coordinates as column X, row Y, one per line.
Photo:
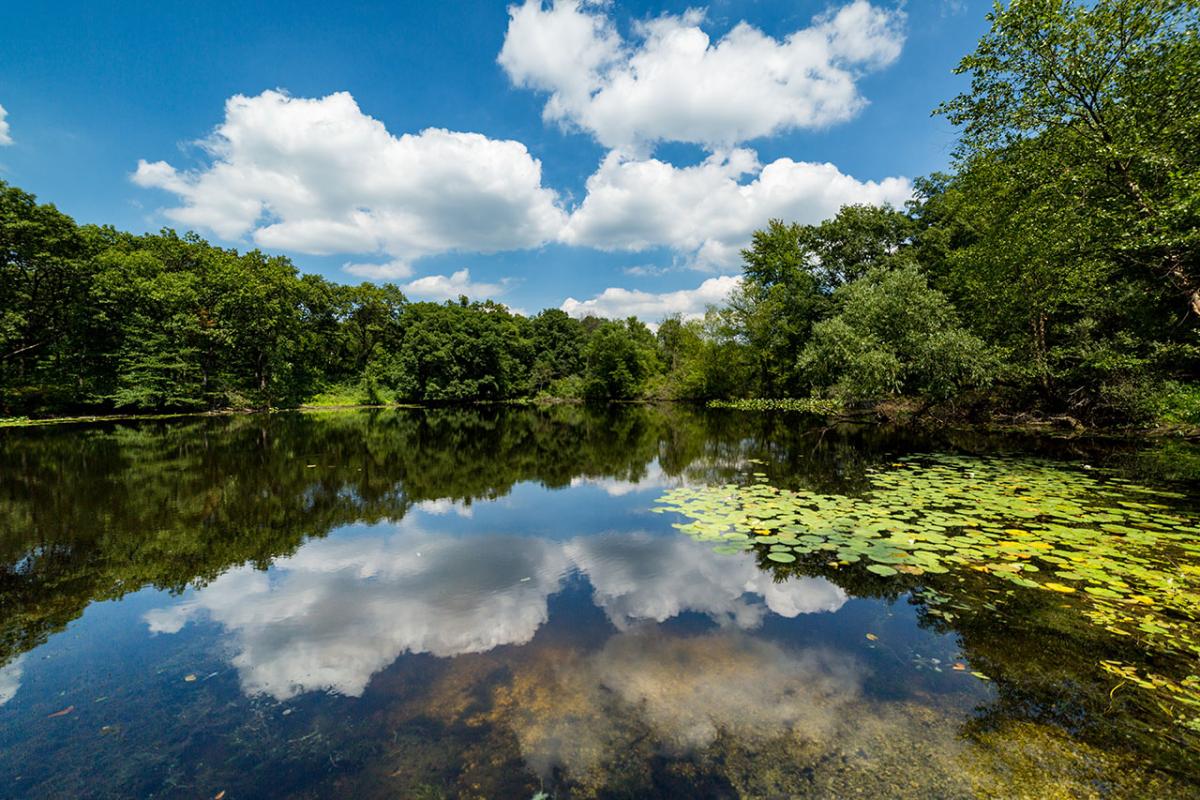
column 1112, row 550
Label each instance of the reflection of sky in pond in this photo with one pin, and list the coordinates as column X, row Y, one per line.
column 654, row 478
column 10, row 679
column 553, row 628
column 445, row 506
column 687, row 690
column 343, row 608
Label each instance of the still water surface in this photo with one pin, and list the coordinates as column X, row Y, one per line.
column 483, row 603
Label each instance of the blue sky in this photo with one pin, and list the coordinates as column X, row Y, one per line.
column 615, row 153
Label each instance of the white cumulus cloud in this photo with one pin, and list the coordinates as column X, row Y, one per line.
column 449, row 287
column 672, row 82
column 5, row 136
column 704, row 211
column 387, row 271
column 320, row 176
column 618, row 303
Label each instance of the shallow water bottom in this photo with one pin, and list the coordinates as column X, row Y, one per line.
column 801, row 707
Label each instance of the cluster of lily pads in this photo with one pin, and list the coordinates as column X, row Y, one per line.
column 1123, row 550
column 807, row 405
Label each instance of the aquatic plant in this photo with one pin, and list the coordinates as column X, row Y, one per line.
column 807, row 405
column 1113, row 550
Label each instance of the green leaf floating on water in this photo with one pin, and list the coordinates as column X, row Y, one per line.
column 1103, row 545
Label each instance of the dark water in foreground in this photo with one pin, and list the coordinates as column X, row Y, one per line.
column 481, row 603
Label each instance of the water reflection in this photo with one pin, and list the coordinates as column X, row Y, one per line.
column 340, row 610
column 639, row 576
column 10, row 679
column 444, row 506
column 92, row 513
column 653, row 478
column 466, row 603
column 336, row 612
column 577, row 713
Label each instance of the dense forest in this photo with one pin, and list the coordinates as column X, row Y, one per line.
column 1054, row 270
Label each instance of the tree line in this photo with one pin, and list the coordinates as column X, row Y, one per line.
column 94, row 318
column 1055, row 268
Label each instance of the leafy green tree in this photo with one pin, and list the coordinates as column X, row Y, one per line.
column 859, row 238
column 777, row 304
column 891, row 335
column 1031, row 277
column 1068, row 234
column 158, row 362
column 264, row 315
column 675, row 340
column 703, row 358
column 43, row 279
column 370, row 317
column 557, row 342
column 1110, row 91
column 453, row 352
column 618, row 358
column 791, row 271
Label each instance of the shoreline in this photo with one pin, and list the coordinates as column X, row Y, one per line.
column 37, row 422
column 881, row 414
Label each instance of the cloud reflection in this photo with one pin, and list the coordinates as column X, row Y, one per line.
column 445, row 506
column 339, row 610
column 654, row 478
column 677, row 692
column 10, row 678
column 640, row 576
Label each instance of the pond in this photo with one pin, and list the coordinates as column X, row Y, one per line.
column 564, row 603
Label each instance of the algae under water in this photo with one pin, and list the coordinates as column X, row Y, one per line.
column 483, row 603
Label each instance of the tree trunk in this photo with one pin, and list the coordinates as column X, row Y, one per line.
column 1186, row 285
